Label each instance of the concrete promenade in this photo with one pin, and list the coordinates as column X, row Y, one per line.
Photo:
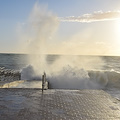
column 31, row 104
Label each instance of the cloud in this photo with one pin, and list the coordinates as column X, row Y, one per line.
column 96, row 16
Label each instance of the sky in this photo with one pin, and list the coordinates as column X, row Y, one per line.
column 84, row 27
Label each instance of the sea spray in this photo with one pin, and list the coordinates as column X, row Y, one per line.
column 72, row 78
column 43, row 24
column 28, row 73
column 68, row 72
column 37, row 36
column 40, row 29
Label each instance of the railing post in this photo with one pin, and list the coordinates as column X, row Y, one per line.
column 43, row 81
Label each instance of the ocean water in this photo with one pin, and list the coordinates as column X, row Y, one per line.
column 71, row 71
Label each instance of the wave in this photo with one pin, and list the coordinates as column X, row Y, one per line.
column 75, row 78
column 107, row 78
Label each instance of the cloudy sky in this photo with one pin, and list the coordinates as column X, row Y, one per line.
column 85, row 27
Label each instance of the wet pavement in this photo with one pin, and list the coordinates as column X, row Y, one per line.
column 23, row 84
column 31, row 104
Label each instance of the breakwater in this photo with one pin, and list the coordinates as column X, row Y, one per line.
column 9, row 74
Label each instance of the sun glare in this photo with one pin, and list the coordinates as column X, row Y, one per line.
column 118, row 26
column 116, row 39
column 117, row 31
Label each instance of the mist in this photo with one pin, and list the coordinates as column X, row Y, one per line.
column 36, row 36
column 39, row 39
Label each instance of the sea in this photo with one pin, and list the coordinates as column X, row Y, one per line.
column 71, row 71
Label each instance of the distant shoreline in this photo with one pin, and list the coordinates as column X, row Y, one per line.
column 61, row 55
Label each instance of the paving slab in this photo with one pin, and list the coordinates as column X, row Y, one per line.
column 32, row 104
